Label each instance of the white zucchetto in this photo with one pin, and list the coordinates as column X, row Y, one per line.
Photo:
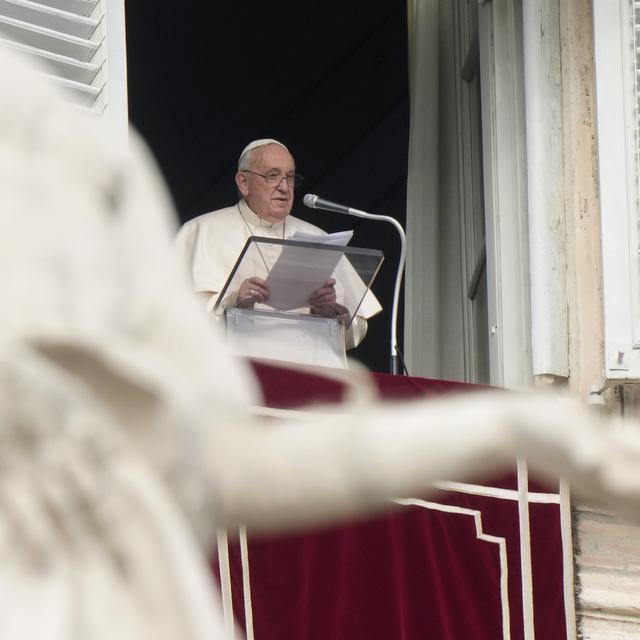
column 262, row 142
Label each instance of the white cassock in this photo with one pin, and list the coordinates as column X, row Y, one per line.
column 209, row 245
column 125, row 430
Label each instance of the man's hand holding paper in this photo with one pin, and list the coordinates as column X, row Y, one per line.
column 323, row 301
column 252, row 291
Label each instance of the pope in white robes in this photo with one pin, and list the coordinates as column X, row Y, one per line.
column 210, row 244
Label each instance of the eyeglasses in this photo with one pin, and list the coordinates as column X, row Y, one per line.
column 275, row 177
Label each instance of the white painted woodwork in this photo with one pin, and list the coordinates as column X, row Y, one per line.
column 547, row 235
column 117, row 112
column 504, row 147
column 422, row 281
column 80, row 45
column 464, row 209
column 617, row 117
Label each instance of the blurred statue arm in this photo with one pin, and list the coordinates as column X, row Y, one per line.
column 323, row 469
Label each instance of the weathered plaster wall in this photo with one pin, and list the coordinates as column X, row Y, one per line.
column 607, row 549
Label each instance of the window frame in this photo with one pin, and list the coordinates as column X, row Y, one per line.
column 617, row 123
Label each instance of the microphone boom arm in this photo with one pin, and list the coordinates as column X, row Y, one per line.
column 395, row 356
column 314, row 202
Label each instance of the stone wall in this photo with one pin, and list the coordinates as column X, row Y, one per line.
column 607, row 550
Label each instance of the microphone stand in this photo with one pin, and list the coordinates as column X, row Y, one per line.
column 395, row 355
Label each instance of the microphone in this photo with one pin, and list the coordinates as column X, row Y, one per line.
column 316, row 202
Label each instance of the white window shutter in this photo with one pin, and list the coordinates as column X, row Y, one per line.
column 82, row 45
column 617, row 60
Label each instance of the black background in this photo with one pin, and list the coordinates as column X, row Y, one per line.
column 329, row 79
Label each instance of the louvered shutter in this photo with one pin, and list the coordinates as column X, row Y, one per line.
column 81, row 43
column 617, row 61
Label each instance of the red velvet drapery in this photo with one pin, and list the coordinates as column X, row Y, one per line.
column 446, row 569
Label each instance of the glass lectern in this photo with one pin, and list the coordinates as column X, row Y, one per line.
column 284, row 328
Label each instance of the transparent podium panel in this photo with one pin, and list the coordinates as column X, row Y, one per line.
column 304, row 339
column 293, row 270
column 283, row 327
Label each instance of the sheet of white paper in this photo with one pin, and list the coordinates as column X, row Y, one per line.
column 339, row 238
column 299, row 271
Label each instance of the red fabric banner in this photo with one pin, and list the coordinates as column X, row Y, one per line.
column 446, row 568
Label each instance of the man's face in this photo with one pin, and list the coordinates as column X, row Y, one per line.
column 271, row 202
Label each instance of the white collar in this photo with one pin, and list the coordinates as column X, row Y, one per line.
column 255, row 221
